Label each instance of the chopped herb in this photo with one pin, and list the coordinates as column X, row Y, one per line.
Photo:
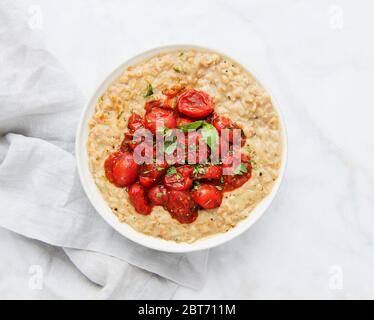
column 210, row 135
column 219, row 187
column 177, row 70
column 240, row 169
column 178, row 176
column 191, row 126
column 159, row 195
column 196, row 185
column 175, row 101
column 253, row 163
column 119, row 115
column 147, row 171
column 198, row 169
column 222, row 180
column 104, row 178
column 181, row 54
column 171, row 170
column 159, row 169
column 248, row 149
column 149, row 91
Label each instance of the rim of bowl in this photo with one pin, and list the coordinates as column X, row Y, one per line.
column 123, row 228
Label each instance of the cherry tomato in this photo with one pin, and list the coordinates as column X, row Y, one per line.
column 207, row 196
column 181, row 180
column 195, row 104
column 166, row 118
column 236, row 178
column 135, row 122
column 181, row 121
column 181, row 206
column 208, row 172
column 158, row 195
column 151, row 173
column 121, row 168
column 138, row 199
column 149, row 105
column 221, row 123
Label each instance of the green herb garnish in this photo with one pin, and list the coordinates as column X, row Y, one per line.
column 198, row 169
column 119, row 115
column 191, row 126
column 177, row 70
column 159, row 195
column 210, row 135
column 171, row 170
column 253, row 163
column 149, row 91
column 240, row 169
column 219, row 188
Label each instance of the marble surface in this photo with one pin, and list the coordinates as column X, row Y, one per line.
column 317, row 57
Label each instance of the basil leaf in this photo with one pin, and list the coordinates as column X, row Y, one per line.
column 191, row 126
column 171, row 170
column 177, row 70
column 149, row 91
column 210, row 135
column 240, row 170
column 198, row 169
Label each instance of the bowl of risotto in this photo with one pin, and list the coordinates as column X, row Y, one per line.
column 181, row 148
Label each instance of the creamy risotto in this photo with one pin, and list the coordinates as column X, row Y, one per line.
column 235, row 94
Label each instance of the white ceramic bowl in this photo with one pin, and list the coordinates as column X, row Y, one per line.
column 103, row 209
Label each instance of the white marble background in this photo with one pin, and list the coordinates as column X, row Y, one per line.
column 316, row 241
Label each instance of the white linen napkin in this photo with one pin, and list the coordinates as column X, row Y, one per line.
column 40, row 193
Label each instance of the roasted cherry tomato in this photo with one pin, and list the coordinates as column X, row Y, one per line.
column 151, row 173
column 138, row 199
column 181, row 121
column 166, row 118
column 207, row 172
column 237, row 176
column 135, row 122
column 195, row 104
column 149, row 105
column 221, row 123
column 181, row 179
column 207, row 196
column 158, row 195
column 181, row 206
column 121, row 168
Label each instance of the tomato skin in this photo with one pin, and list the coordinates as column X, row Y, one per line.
column 121, row 168
column 209, row 172
column 165, row 116
column 158, row 195
column 232, row 182
column 221, row 123
column 207, row 196
column 181, row 180
column 181, row 206
column 195, row 104
column 181, row 121
column 149, row 105
column 151, row 173
column 135, row 122
column 138, row 199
